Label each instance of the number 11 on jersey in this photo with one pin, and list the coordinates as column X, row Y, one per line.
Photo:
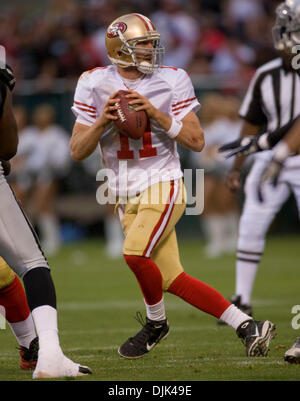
column 147, row 150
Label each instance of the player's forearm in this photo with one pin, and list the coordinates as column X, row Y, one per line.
column 190, row 135
column 85, row 140
column 164, row 120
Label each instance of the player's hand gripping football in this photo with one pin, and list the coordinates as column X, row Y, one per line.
column 270, row 174
column 107, row 115
column 243, row 146
column 143, row 102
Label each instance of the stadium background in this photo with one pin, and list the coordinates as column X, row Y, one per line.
column 49, row 43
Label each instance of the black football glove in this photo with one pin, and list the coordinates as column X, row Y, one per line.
column 271, row 174
column 242, row 146
column 7, row 77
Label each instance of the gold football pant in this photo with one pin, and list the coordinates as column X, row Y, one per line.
column 149, row 220
column 7, row 276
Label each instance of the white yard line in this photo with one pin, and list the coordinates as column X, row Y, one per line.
column 129, row 330
column 108, row 305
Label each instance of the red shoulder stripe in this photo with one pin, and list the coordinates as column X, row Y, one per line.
column 183, row 101
column 172, row 68
column 182, row 107
column 91, row 113
column 97, row 68
column 85, row 105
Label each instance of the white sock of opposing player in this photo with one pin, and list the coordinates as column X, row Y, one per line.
column 234, row 317
column 245, row 276
column 156, row 312
column 45, row 319
column 24, row 331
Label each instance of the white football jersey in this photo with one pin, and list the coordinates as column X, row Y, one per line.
column 136, row 164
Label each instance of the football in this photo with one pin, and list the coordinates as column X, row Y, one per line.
column 130, row 122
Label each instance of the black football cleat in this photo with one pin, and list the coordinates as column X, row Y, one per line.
column 146, row 339
column 293, row 354
column 236, row 300
column 29, row 355
column 256, row 336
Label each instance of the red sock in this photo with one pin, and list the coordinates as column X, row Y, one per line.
column 14, row 301
column 148, row 276
column 199, row 295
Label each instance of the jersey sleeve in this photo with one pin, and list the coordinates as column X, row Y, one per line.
column 252, row 106
column 184, row 99
column 84, row 106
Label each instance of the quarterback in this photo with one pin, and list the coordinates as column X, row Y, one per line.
column 150, row 246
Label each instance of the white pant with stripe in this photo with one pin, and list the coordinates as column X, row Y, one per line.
column 257, row 216
column 19, row 245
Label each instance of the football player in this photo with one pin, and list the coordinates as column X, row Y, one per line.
column 152, row 199
column 20, row 248
column 273, row 100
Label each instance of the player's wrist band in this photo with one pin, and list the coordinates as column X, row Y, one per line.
column 263, row 142
column 281, row 152
column 174, row 129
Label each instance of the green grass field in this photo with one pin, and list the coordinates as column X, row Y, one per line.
column 98, row 299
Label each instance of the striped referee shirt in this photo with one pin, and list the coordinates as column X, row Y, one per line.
column 272, row 99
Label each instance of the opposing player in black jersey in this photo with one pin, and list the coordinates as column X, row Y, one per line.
column 20, row 248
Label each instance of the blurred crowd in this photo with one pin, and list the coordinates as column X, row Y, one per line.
column 61, row 38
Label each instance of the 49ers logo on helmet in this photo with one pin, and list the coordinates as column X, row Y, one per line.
column 112, row 31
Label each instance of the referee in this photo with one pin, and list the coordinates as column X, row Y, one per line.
column 271, row 102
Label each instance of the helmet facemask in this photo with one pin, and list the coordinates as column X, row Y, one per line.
column 145, row 59
column 286, row 32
